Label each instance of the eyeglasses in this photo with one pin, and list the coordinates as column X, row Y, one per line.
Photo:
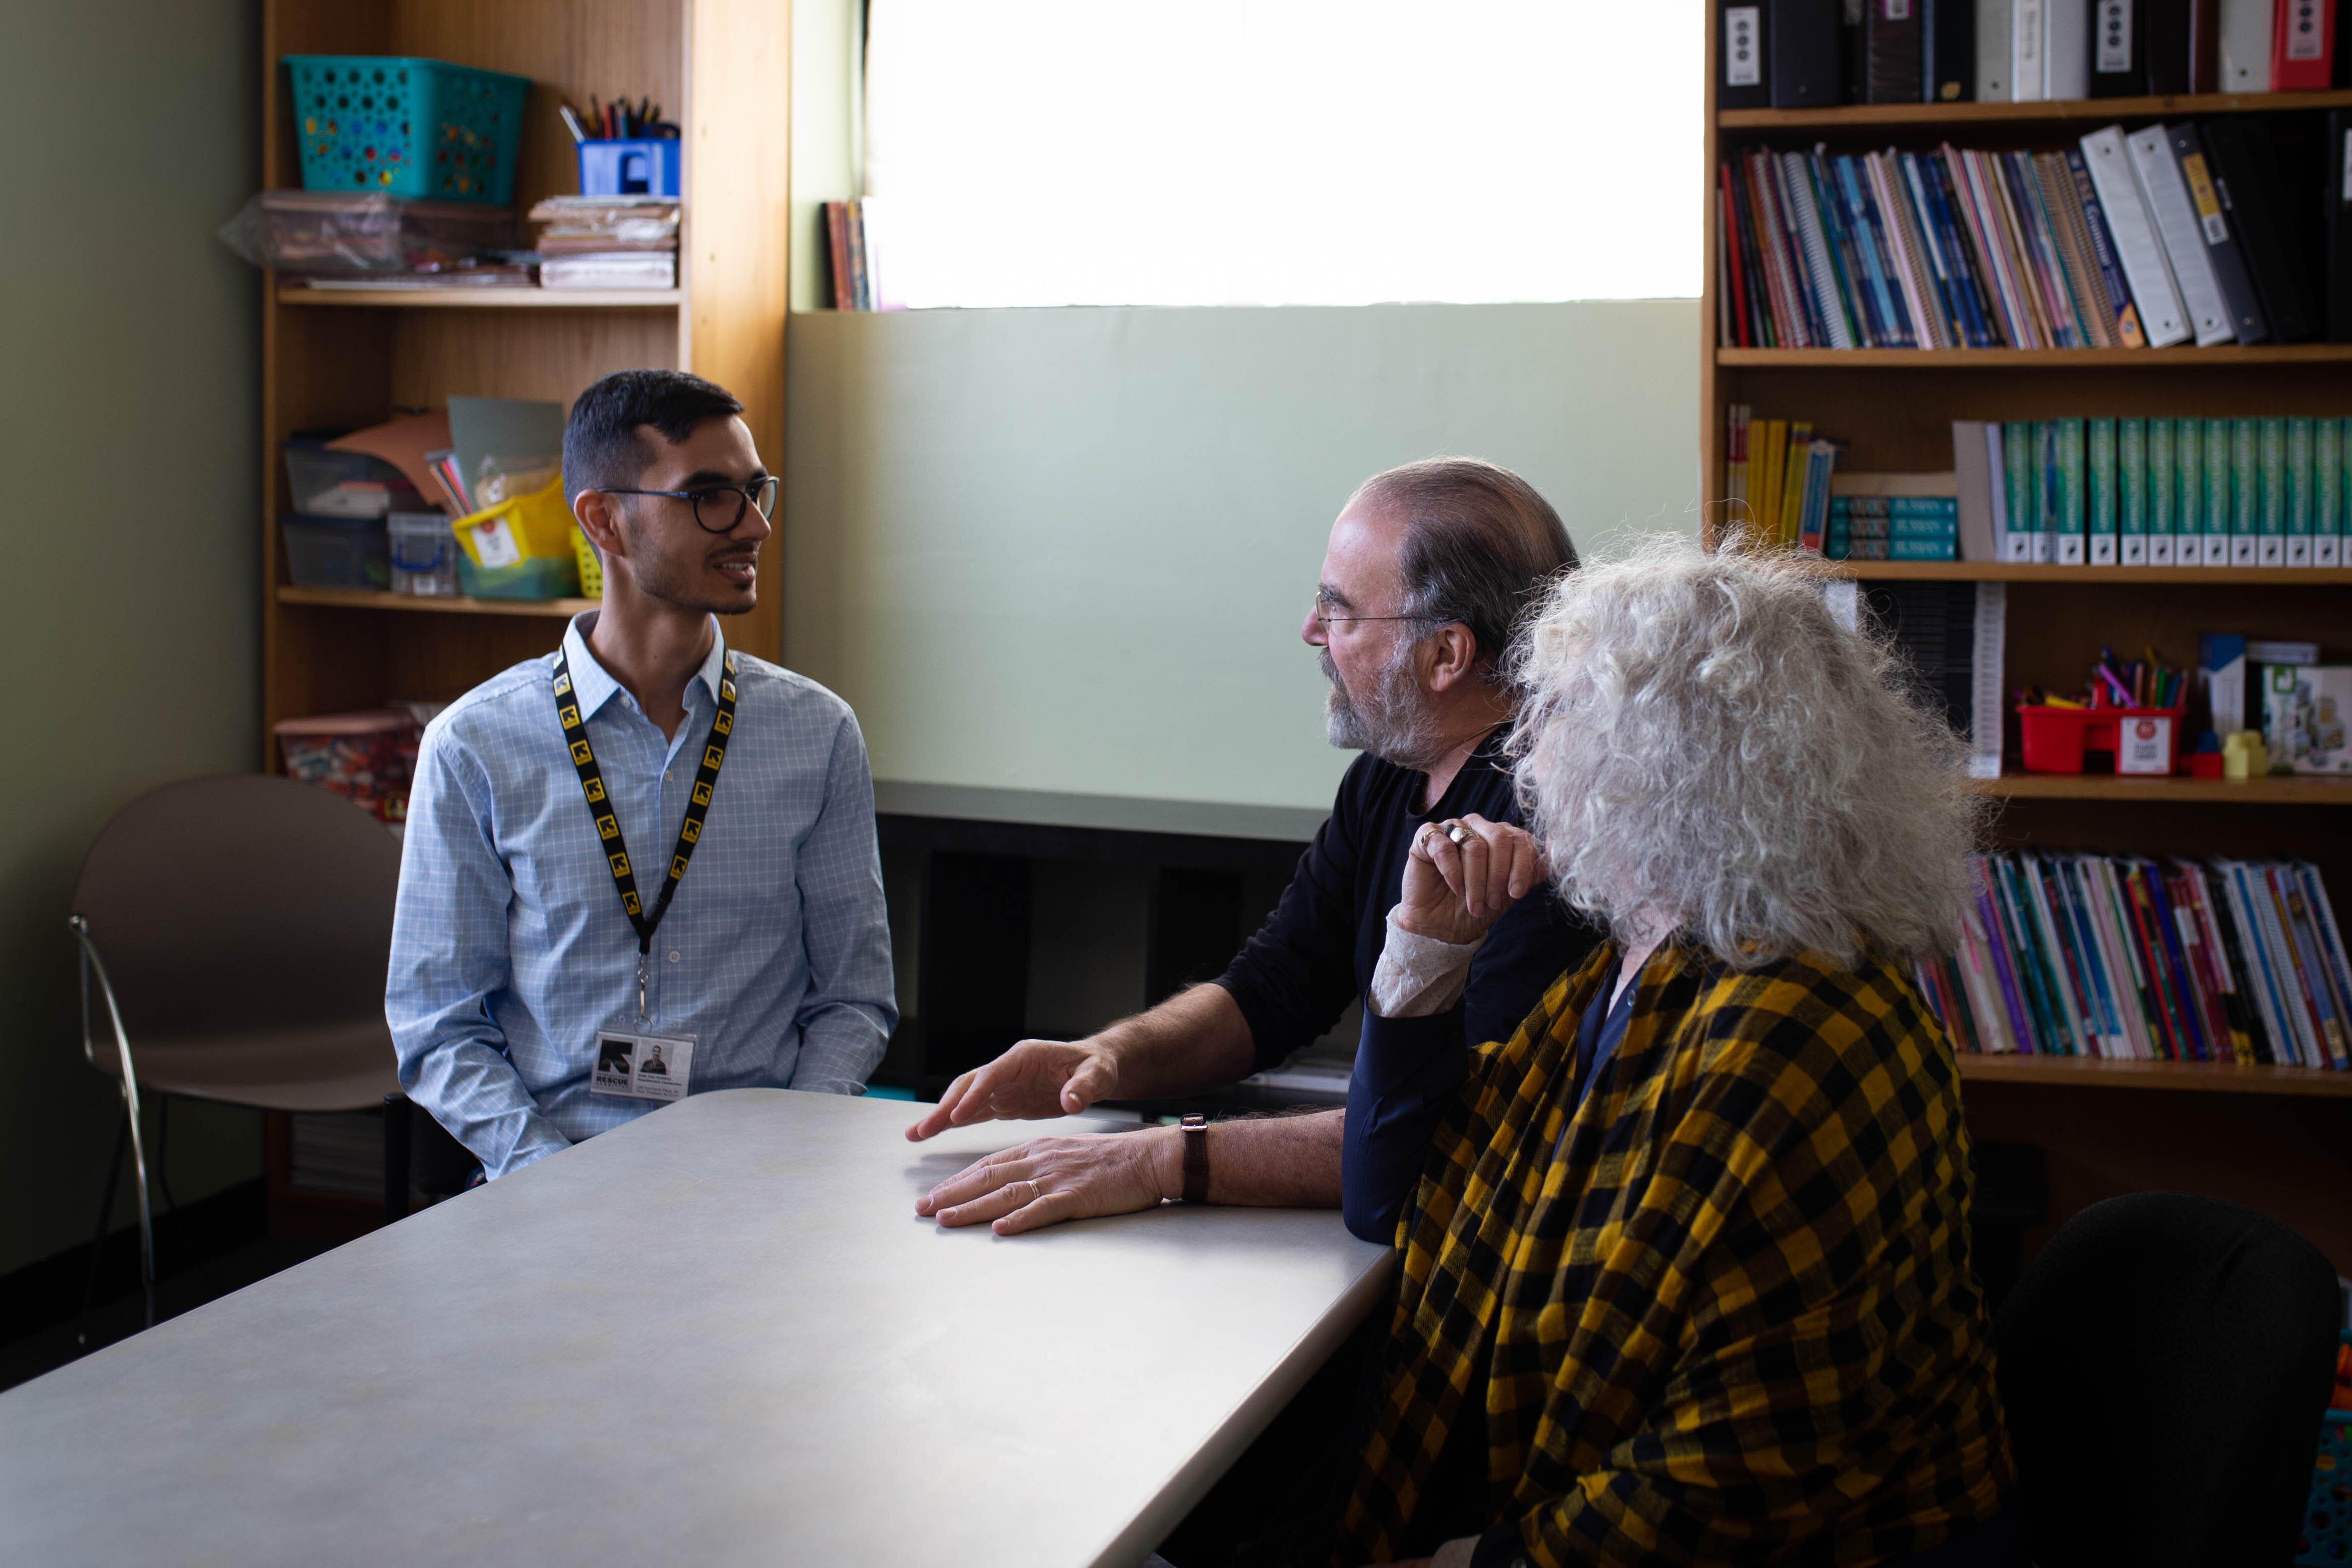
column 1323, row 617
column 717, row 507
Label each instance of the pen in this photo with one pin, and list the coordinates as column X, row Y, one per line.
column 572, row 123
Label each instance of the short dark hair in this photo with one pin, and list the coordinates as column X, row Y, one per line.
column 602, row 448
column 1480, row 545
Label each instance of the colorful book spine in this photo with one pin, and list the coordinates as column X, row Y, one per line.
column 2100, row 460
column 2163, row 493
column 2131, row 492
column 2328, row 491
column 2216, row 505
column 2245, row 489
column 2070, row 492
column 2270, row 492
column 2018, row 446
column 2300, row 481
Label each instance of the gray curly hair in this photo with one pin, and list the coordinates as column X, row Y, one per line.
column 1701, row 740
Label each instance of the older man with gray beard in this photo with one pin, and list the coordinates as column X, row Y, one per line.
column 1428, row 570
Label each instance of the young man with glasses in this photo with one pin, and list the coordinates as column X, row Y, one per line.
column 645, row 865
column 1428, row 570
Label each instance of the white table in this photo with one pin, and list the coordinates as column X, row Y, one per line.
column 718, row 1334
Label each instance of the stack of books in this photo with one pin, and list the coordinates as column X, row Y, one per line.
column 1779, row 480
column 607, row 242
column 2133, row 958
column 1894, row 527
column 2173, row 234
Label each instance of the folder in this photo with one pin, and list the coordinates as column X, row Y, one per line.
column 1741, row 80
column 2141, row 254
column 1978, row 485
column 2219, row 232
column 1994, row 30
column 1801, row 52
column 2245, row 164
column 2164, row 29
column 2029, row 80
column 2337, row 214
column 1947, row 37
column 2303, row 45
column 2066, row 49
column 2167, row 194
column 2246, row 40
column 1890, row 50
column 2119, row 42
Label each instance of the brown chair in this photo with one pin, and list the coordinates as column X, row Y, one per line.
column 239, row 927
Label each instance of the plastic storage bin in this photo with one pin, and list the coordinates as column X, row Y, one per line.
column 2144, row 740
column 366, row 757
column 408, row 126
column 423, row 554
column 331, row 484
column 337, row 552
column 358, row 233
column 520, row 548
column 641, row 166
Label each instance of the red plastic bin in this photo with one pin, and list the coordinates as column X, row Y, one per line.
column 2056, row 737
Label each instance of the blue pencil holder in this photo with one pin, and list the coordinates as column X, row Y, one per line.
column 640, row 166
column 425, row 129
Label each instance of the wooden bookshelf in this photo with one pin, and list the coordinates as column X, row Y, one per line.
column 2277, row 1139
column 452, row 604
column 383, row 299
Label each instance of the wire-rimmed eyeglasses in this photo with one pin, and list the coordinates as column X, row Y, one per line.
column 718, row 508
column 1324, row 605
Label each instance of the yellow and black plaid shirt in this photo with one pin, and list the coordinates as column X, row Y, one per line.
column 1721, row 1313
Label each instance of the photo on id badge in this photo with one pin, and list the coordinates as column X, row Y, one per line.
column 641, row 1066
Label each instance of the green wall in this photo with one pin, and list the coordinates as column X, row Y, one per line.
column 1070, row 549
column 129, row 338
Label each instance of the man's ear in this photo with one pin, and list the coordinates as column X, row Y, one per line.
column 1452, row 654
column 599, row 515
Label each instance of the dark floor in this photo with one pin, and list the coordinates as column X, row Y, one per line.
column 25, row 1359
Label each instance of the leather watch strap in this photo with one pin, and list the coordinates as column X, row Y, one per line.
column 1196, row 1158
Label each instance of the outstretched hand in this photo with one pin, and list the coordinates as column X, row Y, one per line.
column 1037, row 1078
column 1454, row 892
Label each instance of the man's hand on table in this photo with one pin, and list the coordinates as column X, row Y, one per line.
column 1037, row 1078
column 1047, row 1180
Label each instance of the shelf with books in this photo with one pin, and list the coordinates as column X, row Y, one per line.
column 2275, row 790
column 414, row 298
column 2052, row 111
column 2116, row 575
column 2202, row 1077
column 366, row 599
column 2035, row 358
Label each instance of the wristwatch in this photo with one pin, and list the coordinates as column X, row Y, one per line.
column 1196, row 1158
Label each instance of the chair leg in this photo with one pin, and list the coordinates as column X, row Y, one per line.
column 171, row 1203
column 146, row 1210
column 98, row 1235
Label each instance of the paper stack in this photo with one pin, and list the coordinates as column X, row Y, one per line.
column 607, row 242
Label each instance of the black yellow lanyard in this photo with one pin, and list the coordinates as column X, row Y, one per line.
column 608, row 826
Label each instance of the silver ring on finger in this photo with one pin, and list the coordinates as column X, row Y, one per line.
column 1458, row 833
column 1035, row 1192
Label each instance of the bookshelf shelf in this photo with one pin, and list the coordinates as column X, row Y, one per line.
column 2232, row 354
column 2119, row 576
column 2197, row 1077
column 2272, row 791
column 364, row 599
column 485, row 299
column 1958, row 117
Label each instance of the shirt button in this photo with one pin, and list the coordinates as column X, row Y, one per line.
column 673, row 954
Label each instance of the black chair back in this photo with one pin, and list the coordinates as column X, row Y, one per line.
column 2163, row 1362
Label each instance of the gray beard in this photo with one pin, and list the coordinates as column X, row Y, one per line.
column 1390, row 722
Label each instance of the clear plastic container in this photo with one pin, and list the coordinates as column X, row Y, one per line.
column 331, row 484
column 321, row 233
column 423, row 554
column 337, row 552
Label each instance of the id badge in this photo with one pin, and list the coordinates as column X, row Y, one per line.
column 641, row 1066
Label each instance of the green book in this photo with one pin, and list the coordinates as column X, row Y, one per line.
column 2131, row 492
column 2099, row 462
column 2017, row 447
column 2163, row 493
column 2270, row 494
column 2069, row 497
column 2045, row 490
column 2245, row 488
column 2329, row 498
column 2214, row 509
column 2300, row 482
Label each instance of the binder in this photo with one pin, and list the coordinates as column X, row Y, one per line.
column 2270, row 492
column 2138, row 250
column 2118, row 49
column 2245, row 167
column 2066, row 49
column 2204, row 45
column 2163, row 31
column 1994, row 30
column 2100, row 461
column 2165, row 193
column 2215, row 227
column 1978, row 485
column 2028, row 77
column 2245, row 43
column 1741, row 78
column 2336, row 211
column 2221, row 500
column 2020, row 472
column 2245, row 488
column 2303, row 45
column 2131, row 491
column 2163, row 493
column 1947, row 35
column 1891, row 51
column 1801, row 52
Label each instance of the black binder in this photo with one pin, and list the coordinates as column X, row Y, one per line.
column 1891, row 45
column 2219, row 232
column 2164, row 44
column 2119, row 45
column 2336, row 213
column 1948, row 33
column 1742, row 78
column 1801, row 52
column 2246, row 165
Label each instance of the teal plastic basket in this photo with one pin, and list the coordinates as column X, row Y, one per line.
column 2327, row 1519
column 425, row 129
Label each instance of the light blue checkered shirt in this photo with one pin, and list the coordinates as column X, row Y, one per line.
column 510, row 948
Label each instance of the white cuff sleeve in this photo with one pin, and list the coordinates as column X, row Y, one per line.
column 1418, row 976
column 1454, row 1553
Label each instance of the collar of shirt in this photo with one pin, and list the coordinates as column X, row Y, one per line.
column 594, row 686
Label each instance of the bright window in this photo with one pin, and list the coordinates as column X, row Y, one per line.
column 1283, row 152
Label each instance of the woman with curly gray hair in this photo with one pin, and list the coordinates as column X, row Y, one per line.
column 1685, row 1273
